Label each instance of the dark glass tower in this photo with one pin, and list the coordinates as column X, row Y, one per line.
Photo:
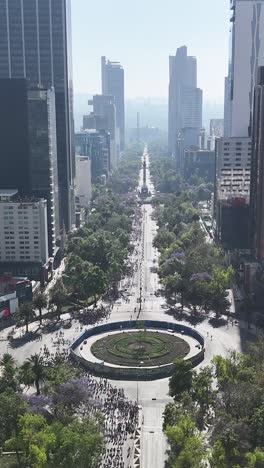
column 35, row 43
column 28, row 158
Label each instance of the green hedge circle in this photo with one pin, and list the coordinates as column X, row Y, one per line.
column 140, row 348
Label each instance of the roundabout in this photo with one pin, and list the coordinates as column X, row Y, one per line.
column 140, row 348
column 133, row 350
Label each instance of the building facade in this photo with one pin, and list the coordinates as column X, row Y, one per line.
column 246, row 55
column 83, row 180
column 185, row 99
column 23, row 234
column 13, row 292
column 232, row 192
column 113, row 85
column 217, row 128
column 105, row 111
column 28, row 159
column 35, row 43
column 200, row 163
column 95, row 145
column 257, row 172
column 43, row 156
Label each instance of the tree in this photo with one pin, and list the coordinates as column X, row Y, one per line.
column 58, row 372
column 40, row 302
column 79, row 444
column 164, row 239
column 226, row 450
column 93, row 281
column 12, row 405
column 58, row 297
column 35, row 440
column 174, row 285
column 187, row 448
column 255, row 459
column 8, row 378
column 26, row 312
column 257, row 425
column 221, row 280
column 203, row 394
column 34, row 371
column 75, row 395
column 181, row 379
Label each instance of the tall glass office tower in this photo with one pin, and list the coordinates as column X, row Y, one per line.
column 185, row 99
column 35, row 43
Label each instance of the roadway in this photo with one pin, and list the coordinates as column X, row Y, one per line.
column 152, row 396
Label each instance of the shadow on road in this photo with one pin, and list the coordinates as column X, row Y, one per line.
column 217, row 322
column 21, row 341
column 180, row 315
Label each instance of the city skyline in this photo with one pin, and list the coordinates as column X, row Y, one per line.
column 157, row 32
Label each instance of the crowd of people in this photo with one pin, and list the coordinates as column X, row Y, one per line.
column 120, row 423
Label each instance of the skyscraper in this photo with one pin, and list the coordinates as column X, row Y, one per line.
column 113, row 84
column 257, row 172
column 104, row 107
column 35, row 43
column 246, row 55
column 28, row 159
column 185, row 99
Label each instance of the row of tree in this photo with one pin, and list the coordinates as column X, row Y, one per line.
column 193, row 271
column 97, row 252
column 217, row 418
column 167, row 180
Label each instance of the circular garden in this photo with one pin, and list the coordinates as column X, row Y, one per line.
column 140, row 348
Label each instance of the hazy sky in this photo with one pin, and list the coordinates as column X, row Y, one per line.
column 141, row 34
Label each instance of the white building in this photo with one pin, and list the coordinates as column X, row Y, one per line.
column 233, row 166
column 246, row 55
column 83, row 188
column 23, row 229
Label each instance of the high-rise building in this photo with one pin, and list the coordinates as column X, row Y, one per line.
column 200, row 163
column 105, row 111
column 232, row 192
column 35, row 43
column 113, row 84
column 217, row 128
column 28, row 159
column 83, row 180
column 23, row 235
column 96, row 145
column 94, row 121
column 104, row 106
column 246, row 55
column 257, row 172
column 43, row 156
column 185, row 99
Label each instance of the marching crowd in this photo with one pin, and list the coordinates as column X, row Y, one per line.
column 120, row 423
